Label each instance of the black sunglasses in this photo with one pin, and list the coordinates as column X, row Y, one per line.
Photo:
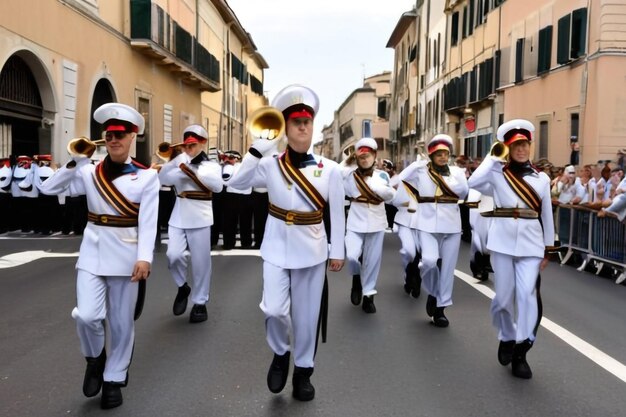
column 108, row 136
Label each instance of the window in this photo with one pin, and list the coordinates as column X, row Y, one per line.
column 470, row 18
column 574, row 124
column 519, row 60
column 572, row 36
column 464, row 34
column 454, row 31
column 545, row 50
column 367, row 128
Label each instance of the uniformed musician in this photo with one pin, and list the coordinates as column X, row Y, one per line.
column 116, row 251
column 194, row 179
column 441, row 188
column 6, row 211
column 295, row 247
column 367, row 189
column 520, row 235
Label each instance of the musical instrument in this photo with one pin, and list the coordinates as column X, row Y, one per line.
column 499, row 151
column 83, row 146
column 266, row 122
column 167, row 151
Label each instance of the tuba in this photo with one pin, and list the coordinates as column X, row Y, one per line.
column 499, row 151
column 167, row 151
column 83, row 147
column 266, row 122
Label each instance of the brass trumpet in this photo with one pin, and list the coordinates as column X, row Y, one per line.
column 266, row 122
column 167, row 151
column 499, row 151
column 83, row 146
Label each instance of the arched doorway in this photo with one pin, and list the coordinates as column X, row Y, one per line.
column 21, row 111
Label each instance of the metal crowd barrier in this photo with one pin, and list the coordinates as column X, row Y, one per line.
column 599, row 239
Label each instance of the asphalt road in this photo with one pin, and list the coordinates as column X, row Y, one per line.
column 392, row 363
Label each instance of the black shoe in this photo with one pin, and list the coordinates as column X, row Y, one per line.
column 431, row 305
column 111, row 395
column 368, row 304
column 180, row 302
column 302, row 388
column 521, row 369
column 439, row 318
column 93, row 374
column 278, row 372
column 505, row 352
column 357, row 290
column 417, row 285
column 198, row 314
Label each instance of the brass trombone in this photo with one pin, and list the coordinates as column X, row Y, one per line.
column 83, row 146
column 266, row 122
column 167, row 151
column 499, row 151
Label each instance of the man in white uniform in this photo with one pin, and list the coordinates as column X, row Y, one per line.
column 440, row 187
column 521, row 234
column 194, row 179
column 116, row 250
column 295, row 246
column 367, row 188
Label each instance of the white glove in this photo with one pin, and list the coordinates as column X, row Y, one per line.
column 266, row 147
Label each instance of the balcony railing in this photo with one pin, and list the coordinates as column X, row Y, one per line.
column 155, row 34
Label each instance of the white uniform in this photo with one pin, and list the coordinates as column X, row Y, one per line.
column 517, row 246
column 190, row 223
column 439, row 227
column 405, row 225
column 295, row 255
column 366, row 226
column 106, row 261
column 479, row 254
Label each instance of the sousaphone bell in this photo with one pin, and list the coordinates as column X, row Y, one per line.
column 266, row 122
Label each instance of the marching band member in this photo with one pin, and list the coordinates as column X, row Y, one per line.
column 406, row 221
column 237, row 206
column 24, row 193
column 295, row 247
column 194, row 179
column 46, row 203
column 116, row 251
column 521, row 232
column 367, row 188
column 440, row 187
column 6, row 175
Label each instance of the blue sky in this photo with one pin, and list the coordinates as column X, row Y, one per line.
column 328, row 45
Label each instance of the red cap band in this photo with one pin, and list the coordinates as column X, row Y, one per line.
column 121, row 128
column 365, row 149
column 301, row 114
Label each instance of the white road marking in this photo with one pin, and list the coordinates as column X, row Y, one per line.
column 594, row 354
column 21, row 258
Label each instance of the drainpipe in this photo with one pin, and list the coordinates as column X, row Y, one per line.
column 584, row 88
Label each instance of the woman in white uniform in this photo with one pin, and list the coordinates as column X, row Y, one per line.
column 521, row 233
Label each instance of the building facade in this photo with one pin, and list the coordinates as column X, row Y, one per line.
column 60, row 60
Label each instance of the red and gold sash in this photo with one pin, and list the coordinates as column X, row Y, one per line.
column 112, row 195
column 367, row 195
column 294, row 175
column 441, row 183
column 189, row 172
column 522, row 189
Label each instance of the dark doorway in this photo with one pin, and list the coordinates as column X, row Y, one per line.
column 102, row 94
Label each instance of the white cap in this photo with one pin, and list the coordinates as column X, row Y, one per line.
column 570, row 169
column 365, row 143
column 517, row 129
column 196, row 130
column 295, row 94
column 122, row 112
column 440, row 141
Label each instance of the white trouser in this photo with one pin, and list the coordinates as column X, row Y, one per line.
column 371, row 246
column 111, row 298
column 480, row 230
column 291, row 301
column 515, row 285
column 409, row 239
column 433, row 246
column 195, row 244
